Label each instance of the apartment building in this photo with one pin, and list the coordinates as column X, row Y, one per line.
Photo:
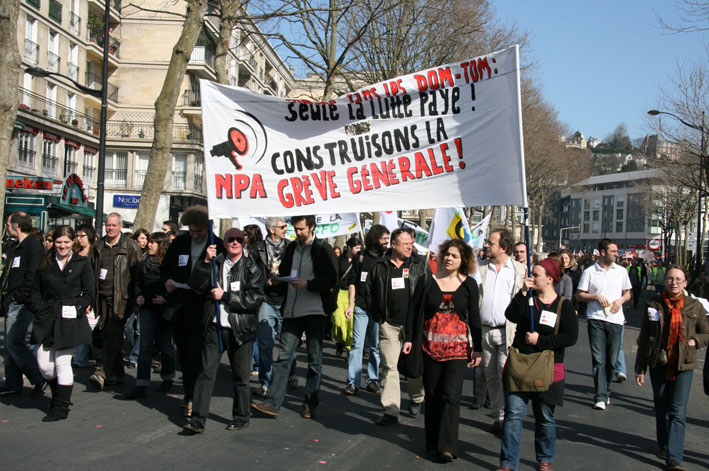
column 57, row 127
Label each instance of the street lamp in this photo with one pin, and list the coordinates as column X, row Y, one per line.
column 561, row 229
column 39, row 72
column 702, row 156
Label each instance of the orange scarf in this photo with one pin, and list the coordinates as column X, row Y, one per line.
column 675, row 332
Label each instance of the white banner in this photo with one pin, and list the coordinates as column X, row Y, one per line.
column 446, row 136
column 326, row 225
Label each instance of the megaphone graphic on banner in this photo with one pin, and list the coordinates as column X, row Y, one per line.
column 237, row 144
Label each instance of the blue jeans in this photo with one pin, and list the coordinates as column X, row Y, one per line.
column 544, row 428
column 604, row 338
column 132, row 332
column 154, row 327
column 293, row 328
column 671, row 398
column 18, row 358
column 365, row 331
column 620, row 363
column 270, row 322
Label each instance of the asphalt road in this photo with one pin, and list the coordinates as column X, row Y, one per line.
column 104, row 433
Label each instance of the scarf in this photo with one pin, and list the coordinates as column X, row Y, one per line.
column 275, row 252
column 674, row 333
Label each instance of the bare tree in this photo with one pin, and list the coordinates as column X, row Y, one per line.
column 9, row 71
column 165, row 113
column 694, row 17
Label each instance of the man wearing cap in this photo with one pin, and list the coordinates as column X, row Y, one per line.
column 239, row 292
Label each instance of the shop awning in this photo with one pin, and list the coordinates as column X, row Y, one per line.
column 66, row 210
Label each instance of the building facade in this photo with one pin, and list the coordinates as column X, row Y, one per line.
column 57, row 129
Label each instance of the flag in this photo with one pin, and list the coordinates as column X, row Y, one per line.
column 449, row 223
column 389, row 220
column 478, row 232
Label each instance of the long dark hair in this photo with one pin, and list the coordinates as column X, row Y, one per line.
column 163, row 241
column 60, row 231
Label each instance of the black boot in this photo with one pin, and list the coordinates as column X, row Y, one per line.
column 52, row 387
column 62, row 401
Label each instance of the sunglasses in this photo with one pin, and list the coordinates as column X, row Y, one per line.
column 238, row 239
column 282, row 227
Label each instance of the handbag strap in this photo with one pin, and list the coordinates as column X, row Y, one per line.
column 558, row 314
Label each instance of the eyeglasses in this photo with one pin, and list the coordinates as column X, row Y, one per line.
column 50, row 240
column 490, row 243
column 675, row 280
column 80, row 235
column 238, row 239
column 282, row 227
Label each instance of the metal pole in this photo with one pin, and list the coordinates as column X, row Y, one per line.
column 700, row 235
column 530, row 293
column 102, row 125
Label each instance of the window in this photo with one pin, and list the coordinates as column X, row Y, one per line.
column 27, row 85
column 74, row 18
column 587, row 215
column 586, row 228
column 198, row 171
column 586, row 204
column 619, row 214
column 619, row 226
column 25, row 149
column 49, row 157
column 53, row 59
column 596, row 215
column 596, row 228
column 89, row 165
column 141, row 168
column 116, row 168
column 51, row 100
column 71, row 160
column 31, row 46
column 71, row 105
column 179, row 171
column 72, row 69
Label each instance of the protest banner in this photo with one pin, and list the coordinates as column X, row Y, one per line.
column 442, row 137
column 326, row 225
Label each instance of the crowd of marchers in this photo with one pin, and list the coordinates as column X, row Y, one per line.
column 173, row 300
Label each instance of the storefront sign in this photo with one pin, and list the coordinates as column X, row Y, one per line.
column 73, row 192
column 126, row 201
column 28, row 183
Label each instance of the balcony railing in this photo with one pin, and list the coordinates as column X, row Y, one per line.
column 55, row 11
column 25, row 157
column 53, row 62
column 74, row 22
column 33, row 103
column 244, row 55
column 31, row 51
column 49, row 164
column 72, row 70
column 116, row 177
column 191, row 98
column 198, row 182
column 202, row 55
column 140, row 178
column 94, row 81
column 179, row 180
column 71, row 167
column 96, row 36
column 89, row 173
column 145, row 130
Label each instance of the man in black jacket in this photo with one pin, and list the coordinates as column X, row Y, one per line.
column 389, row 288
column 310, row 265
column 182, row 256
column 239, row 292
column 18, row 282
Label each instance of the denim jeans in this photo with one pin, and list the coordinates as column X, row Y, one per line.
column 19, row 359
column 83, row 354
column 270, row 322
column 671, row 398
column 604, row 338
column 293, row 328
column 620, row 363
column 132, row 331
column 544, row 428
column 365, row 331
column 154, row 327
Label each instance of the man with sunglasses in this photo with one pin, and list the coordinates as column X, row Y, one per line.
column 239, row 292
column 309, row 265
column 268, row 253
column 182, row 256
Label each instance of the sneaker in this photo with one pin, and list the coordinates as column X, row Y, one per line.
column 388, row 419
column 254, row 373
column 349, row 390
column 620, row 378
column 97, row 381
column 374, row 387
column 414, row 409
column 600, row 405
column 292, row 382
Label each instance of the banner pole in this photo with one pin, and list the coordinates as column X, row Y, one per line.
column 530, row 293
column 214, row 281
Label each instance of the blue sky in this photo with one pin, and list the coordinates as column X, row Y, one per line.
column 601, row 63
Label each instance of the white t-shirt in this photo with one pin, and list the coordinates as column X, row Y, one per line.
column 610, row 283
column 497, row 293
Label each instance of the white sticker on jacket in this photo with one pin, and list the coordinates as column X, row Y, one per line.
column 183, row 260
column 16, row 262
column 652, row 314
column 102, row 274
column 235, row 285
column 548, row 318
column 398, row 283
column 363, row 276
column 294, row 273
column 405, row 272
column 69, row 312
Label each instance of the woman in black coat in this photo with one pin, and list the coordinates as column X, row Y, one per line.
column 64, row 288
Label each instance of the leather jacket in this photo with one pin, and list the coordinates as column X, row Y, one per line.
column 124, row 265
column 242, row 305
column 694, row 323
column 376, row 287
